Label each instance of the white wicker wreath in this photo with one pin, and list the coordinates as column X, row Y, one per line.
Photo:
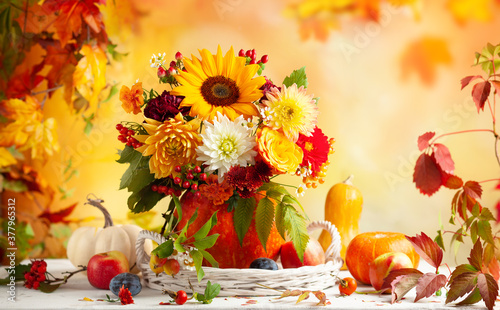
column 245, row 282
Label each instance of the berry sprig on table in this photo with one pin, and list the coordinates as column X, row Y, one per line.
column 39, row 278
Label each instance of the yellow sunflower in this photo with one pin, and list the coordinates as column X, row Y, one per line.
column 219, row 84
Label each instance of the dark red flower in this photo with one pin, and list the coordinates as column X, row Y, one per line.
column 266, row 88
column 246, row 180
column 164, row 107
column 125, row 296
column 315, row 149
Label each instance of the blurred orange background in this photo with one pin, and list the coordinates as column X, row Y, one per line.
column 381, row 83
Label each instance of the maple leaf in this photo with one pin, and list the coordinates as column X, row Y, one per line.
column 423, row 56
column 428, row 284
column 466, row 80
column 423, row 140
column 465, row 10
column 427, row 249
column 443, row 157
column 480, row 93
column 427, row 174
column 22, row 83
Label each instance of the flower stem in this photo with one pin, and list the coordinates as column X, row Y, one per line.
column 462, row 131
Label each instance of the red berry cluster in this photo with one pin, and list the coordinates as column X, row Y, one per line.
column 36, row 274
column 252, row 55
column 187, row 179
column 166, row 75
column 125, row 136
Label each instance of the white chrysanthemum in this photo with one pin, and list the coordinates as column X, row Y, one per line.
column 157, row 61
column 226, row 143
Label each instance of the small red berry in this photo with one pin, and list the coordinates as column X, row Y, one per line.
column 124, row 131
column 170, row 191
column 241, row 53
column 203, row 176
column 162, row 189
column 130, row 132
column 177, row 192
column 197, row 169
column 119, row 127
column 178, row 56
column 172, row 71
column 36, row 285
column 181, row 297
column 178, row 168
column 122, row 138
column 177, row 180
column 161, row 72
column 194, row 186
column 197, row 195
column 190, row 176
column 186, row 184
column 265, row 59
column 173, row 64
column 252, row 62
column 248, row 53
column 154, row 187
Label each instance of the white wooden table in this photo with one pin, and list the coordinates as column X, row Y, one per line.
column 71, row 295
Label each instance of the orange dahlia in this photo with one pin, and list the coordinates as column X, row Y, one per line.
column 278, row 151
column 169, row 144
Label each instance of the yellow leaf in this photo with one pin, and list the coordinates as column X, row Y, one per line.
column 43, row 140
column 465, row 10
column 89, row 77
column 121, row 18
column 23, row 117
column 423, row 56
column 6, row 158
column 87, row 299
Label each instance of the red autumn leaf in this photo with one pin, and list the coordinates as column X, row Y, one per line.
column 460, row 284
column 452, row 181
column 402, row 285
column 476, row 255
column 423, row 140
column 23, row 83
column 59, row 216
column 72, row 14
column 427, row 174
column 428, row 284
column 473, row 189
column 494, row 268
column 488, row 288
column 58, row 58
column 393, row 274
column 466, row 80
column 443, row 157
column 480, row 93
column 427, row 249
column 496, row 85
column 469, row 201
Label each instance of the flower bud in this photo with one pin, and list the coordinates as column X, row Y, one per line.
column 161, row 72
column 178, row 56
column 172, row 71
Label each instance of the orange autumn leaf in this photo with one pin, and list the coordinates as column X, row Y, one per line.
column 22, row 116
column 467, row 10
column 37, row 19
column 59, row 58
column 74, row 16
column 422, row 57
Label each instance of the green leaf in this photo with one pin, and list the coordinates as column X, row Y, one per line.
column 205, row 229
column 206, row 255
column 212, row 290
column 143, row 200
column 439, row 240
column 297, row 229
column 297, row 77
column 242, row 217
column 113, row 91
column 316, row 99
column 474, row 231
column 484, row 231
column 289, row 199
column 279, row 219
column 179, row 241
column 178, row 207
column 116, row 55
column 206, row 242
column 129, row 155
column 274, row 193
column 198, row 259
column 14, row 185
column 486, row 215
column 17, row 272
column 48, row 288
column 475, row 210
column 165, row 249
column 88, row 123
column 264, row 218
column 138, row 179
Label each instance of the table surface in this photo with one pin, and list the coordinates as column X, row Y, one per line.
column 71, row 295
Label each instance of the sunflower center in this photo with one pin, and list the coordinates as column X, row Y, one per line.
column 220, row 91
column 227, row 146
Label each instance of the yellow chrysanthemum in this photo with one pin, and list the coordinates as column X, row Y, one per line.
column 219, row 84
column 170, row 143
column 290, row 111
column 278, row 151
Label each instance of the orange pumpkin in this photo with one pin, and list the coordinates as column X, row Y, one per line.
column 365, row 247
column 227, row 250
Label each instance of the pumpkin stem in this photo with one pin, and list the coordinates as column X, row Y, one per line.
column 348, row 181
column 108, row 221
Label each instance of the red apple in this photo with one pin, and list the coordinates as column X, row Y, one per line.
column 383, row 264
column 313, row 255
column 103, row 267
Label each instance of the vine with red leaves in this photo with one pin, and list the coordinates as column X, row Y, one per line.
column 435, row 168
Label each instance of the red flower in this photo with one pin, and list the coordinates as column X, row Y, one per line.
column 246, row 180
column 315, row 149
column 125, row 296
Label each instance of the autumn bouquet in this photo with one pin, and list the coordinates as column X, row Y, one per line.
column 216, row 141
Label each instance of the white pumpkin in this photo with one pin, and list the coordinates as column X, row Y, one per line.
column 87, row 241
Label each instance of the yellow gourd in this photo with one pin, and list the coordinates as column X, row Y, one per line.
column 87, row 241
column 343, row 207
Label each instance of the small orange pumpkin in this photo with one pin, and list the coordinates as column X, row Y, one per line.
column 365, row 247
